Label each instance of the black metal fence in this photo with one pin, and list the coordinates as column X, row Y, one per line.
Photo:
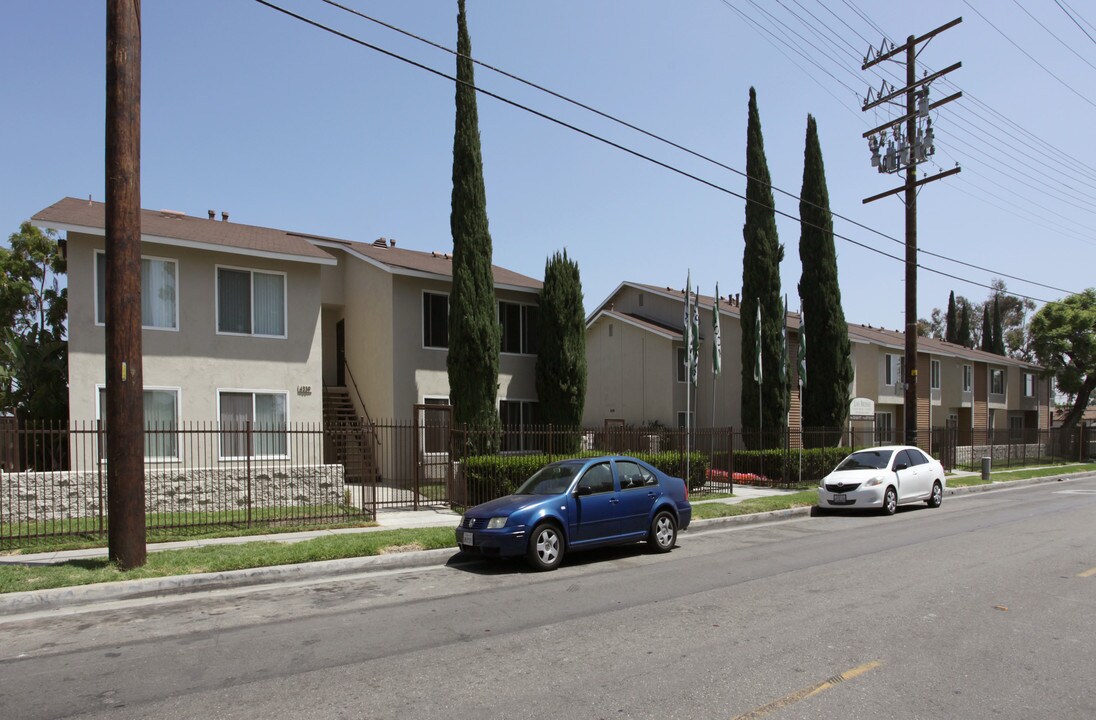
column 54, row 479
column 196, row 475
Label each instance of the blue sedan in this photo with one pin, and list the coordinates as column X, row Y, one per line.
column 577, row 504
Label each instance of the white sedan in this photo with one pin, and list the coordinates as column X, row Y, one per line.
column 883, row 478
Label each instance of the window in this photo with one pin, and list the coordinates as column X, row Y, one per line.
column 681, row 418
column 641, row 299
column 599, row 478
column 519, row 328
column 1016, row 427
column 884, row 427
column 633, row 476
column 158, row 301
column 161, row 407
column 250, row 302
column 892, row 374
column 436, row 426
column 517, row 418
column 996, row 382
column 435, row 320
column 1029, row 385
column 268, row 417
column 968, row 378
column 934, row 374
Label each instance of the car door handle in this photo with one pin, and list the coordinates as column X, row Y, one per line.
column 652, row 495
column 613, row 501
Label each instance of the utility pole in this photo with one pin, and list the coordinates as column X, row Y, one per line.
column 124, row 376
column 905, row 150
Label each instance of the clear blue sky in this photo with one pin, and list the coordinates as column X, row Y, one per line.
column 282, row 125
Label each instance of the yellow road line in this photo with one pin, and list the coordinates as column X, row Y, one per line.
column 1087, row 573
column 810, row 691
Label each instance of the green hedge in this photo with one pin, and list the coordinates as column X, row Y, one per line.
column 782, row 466
column 492, row 476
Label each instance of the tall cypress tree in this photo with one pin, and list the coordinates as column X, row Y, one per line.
column 951, row 326
column 825, row 401
column 987, row 329
column 474, row 332
column 998, row 327
column 963, row 337
column 761, row 287
column 561, row 346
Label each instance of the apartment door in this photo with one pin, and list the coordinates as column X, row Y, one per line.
column 340, row 353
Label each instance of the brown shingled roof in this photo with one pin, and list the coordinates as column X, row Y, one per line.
column 435, row 263
column 166, row 224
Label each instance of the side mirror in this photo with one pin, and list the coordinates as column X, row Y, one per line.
column 900, row 466
column 583, row 490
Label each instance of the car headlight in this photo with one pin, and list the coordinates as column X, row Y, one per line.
column 822, row 482
column 873, row 482
column 496, row 522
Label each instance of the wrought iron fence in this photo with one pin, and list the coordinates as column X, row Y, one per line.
column 964, row 448
column 196, row 475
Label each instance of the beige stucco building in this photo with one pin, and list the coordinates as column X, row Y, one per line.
column 635, row 357
column 245, row 323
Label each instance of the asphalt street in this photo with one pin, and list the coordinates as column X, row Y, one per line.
column 984, row 608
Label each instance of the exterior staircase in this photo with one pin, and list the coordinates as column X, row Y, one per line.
column 348, row 439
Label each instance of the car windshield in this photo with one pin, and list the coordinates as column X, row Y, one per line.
column 550, row 480
column 867, row 460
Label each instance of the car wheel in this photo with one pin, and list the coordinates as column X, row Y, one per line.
column 937, row 496
column 545, row 547
column 663, row 532
column 890, row 501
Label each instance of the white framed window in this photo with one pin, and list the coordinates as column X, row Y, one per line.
column 435, row 320
column 517, row 418
column 934, row 374
column 159, row 292
column 682, row 370
column 968, row 378
column 519, row 328
column 1029, row 385
column 884, row 427
column 267, row 414
column 251, row 302
column 161, row 410
column 892, row 372
column 996, row 381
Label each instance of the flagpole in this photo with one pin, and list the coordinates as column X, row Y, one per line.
column 687, row 332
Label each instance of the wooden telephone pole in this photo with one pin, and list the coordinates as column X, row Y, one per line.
column 906, row 150
column 124, row 376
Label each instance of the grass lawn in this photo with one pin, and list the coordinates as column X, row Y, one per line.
column 1007, row 475
column 218, row 558
column 707, row 511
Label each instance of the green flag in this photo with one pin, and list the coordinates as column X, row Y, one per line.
column 757, row 367
column 784, row 344
column 717, row 349
column 694, row 349
column 802, row 359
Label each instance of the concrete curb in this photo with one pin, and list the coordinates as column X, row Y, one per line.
column 40, row 600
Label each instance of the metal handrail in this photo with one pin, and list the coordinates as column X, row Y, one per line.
column 372, row 427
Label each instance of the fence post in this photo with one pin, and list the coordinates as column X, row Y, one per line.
column 99, row 468
column 250, row 446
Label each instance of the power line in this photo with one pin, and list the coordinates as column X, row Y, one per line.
column 1070, row 14
column 1029, row 56
column 606, row 141
column 1051, row 32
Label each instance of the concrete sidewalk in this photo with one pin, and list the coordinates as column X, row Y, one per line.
column 437, row 516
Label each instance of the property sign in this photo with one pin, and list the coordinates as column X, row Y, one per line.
column 862, row 408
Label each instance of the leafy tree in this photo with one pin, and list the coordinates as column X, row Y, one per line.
column 825, row 401
column 33, row 307
column 761, row 288
column 951, row 326
column 1063, row 338
column 474, row 332
column 561, row 345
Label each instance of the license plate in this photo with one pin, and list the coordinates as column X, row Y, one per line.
column 467, row 539
column 839, row 499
